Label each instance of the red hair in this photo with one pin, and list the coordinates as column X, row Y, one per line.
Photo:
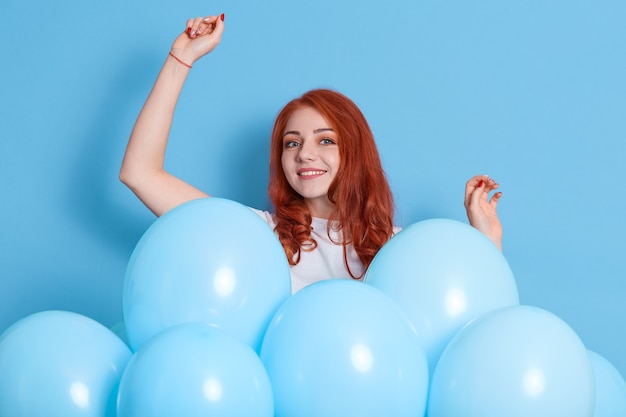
column 360, row 192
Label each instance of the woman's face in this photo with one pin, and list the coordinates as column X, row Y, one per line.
column 310, row 158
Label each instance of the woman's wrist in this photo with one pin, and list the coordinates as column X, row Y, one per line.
column 181, row 61
column 496, row 239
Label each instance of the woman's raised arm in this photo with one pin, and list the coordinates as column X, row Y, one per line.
column 143, row 165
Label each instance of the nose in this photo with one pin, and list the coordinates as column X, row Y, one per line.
column 307, row 152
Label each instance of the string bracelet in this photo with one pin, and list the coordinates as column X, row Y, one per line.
column 180, row 60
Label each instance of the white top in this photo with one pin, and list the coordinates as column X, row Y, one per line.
column 325, row 261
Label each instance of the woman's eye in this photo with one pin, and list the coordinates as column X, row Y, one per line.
column 291, row 144
column 327, row 141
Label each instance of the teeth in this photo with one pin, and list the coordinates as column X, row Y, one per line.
column 311, row 173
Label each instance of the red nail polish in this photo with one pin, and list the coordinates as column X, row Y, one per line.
column 480, row 184
column 188, row 30
column 222, row 17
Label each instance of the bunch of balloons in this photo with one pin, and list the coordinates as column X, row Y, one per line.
column 211, row 328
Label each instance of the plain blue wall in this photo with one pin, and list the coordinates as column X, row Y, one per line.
column 532, row 93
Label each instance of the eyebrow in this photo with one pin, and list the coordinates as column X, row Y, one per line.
column 316, row 131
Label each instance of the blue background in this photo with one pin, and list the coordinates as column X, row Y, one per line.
column 532, row 93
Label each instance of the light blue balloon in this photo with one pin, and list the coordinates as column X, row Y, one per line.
column 341, row 348
column 195, row 369
column 516, row 362
column 610, row 387
column 210, row 260
column 442, row 273
column 60, row 364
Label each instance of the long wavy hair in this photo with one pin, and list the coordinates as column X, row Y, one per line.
column 362, row 198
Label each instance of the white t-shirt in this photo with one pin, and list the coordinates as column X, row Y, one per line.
column 326, row 260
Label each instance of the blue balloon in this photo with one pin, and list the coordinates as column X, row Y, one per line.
column 341, row 348
column 442, row 273
column 60, row 364
column 516, row 362
column 610, row 387
column 195, row 369
column 210, row 260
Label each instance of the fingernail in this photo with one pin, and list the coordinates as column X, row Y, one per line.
column 188, row 30
column 222, row 17
column 480, row 184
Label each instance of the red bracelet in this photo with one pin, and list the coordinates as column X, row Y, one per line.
column 179, row 60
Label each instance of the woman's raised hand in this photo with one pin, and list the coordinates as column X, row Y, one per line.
column 200, row 37
column 481, row 210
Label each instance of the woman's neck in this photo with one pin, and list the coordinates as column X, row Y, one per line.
column 320, row 208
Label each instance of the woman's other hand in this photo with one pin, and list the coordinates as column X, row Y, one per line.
column 481, row 210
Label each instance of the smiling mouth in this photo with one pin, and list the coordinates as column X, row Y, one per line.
column 310, row 173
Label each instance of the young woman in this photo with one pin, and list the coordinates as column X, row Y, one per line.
column 333, row 208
